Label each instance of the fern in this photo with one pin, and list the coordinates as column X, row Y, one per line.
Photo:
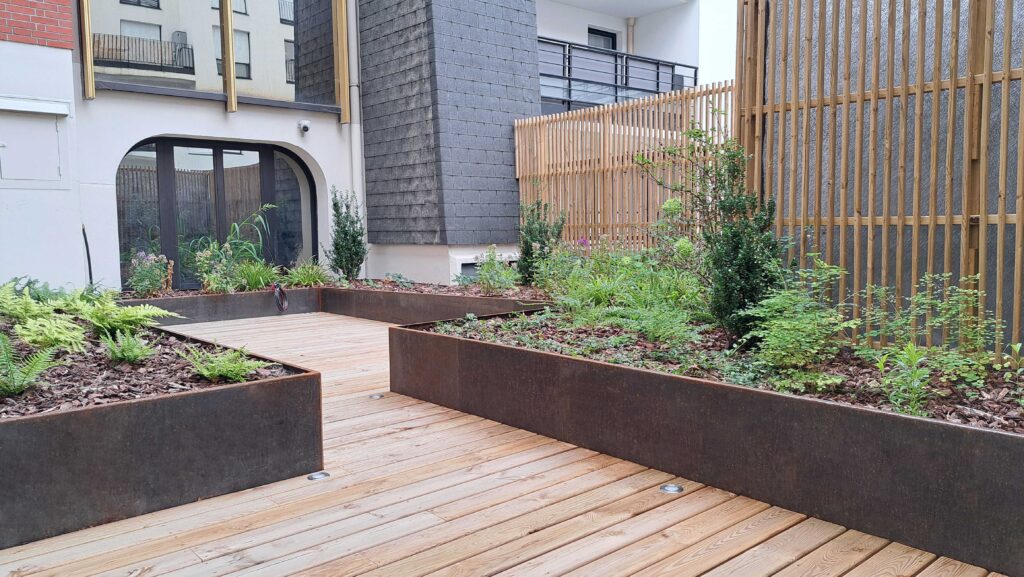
column 18, row 374
column 107, row 318
column 53, row 332
column 19, row 305
column 226, row 365
column 126, row 348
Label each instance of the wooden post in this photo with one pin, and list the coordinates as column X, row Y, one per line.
column 88, row 69
column 341, row 70
column 227, row 43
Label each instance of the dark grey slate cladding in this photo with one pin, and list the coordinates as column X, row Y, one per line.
column 314, row 52
column 442, row 82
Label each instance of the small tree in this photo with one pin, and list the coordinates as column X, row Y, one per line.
column 348, row 246
column 729, row 225
column 538, row 234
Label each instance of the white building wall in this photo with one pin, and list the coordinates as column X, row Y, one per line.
column 569, row 23
column 717, row 41
column 670, row 34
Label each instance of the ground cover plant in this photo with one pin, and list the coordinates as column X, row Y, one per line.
column 718, row 301
column 61, row 350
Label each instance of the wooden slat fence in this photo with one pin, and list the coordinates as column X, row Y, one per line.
column 891, row 136
column 583, row 163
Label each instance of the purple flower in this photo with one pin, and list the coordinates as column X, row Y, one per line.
column 583, row 241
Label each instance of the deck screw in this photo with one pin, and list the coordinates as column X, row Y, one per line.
column 318, row 475
column 671, row 488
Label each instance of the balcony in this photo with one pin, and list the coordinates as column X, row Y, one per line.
column 286, row 10
column 116, row 51
column 289, row 70
column 575, row 76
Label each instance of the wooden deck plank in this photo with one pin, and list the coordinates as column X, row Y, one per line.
column 419, row 489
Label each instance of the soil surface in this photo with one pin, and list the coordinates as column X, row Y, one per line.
column 519, row 292
column 90, row 378
column 995, row 404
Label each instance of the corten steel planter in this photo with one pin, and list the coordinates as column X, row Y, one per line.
column 69, row 470
column 936, row 486
column 412, row 308
column 201, row 308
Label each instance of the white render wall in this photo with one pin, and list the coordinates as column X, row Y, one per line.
column 670, row 34
column 717, row 41
column 71, row 182
column 569, row 23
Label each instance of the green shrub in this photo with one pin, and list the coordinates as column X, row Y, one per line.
column 256, row 275
column 739, row 255
column 797, row 327
column 55, row 332
column 149, row 274
column 228, row 365
column 400, row 279
column 307, row 273
column 538, row 234
column 906, row 384
column 18, row 374
column 19, row 306
column 216, row 264
column 107, row 318
column 348, row 245
column 494, row 275
column 126, row 348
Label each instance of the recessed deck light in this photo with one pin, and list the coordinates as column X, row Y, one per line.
column 671, row 488
column 377, row 396
column 318, row 475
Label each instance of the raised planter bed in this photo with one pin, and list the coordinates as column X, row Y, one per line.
column 378, row 305
column 68, row 470
column 932, row 485
column 411, row 308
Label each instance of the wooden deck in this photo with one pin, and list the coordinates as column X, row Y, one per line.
column 418, row 489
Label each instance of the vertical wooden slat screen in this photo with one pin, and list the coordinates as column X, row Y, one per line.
column 892, row 138
column 583, row 163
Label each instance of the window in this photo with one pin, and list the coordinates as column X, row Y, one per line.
column 289, row 61
column 144, row 30
column 243, row 66
column 602, row 39
column 237, row 6
column 286, row 10
column 143, row 3
column 174, row 194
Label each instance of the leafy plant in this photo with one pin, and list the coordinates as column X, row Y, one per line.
column 462, row 279
column 348, row 246
column 796, row 327
column 229, row 365
column 729, row 227
column 150, row 274
column 907, row 383
column 400, row 279
column 54, row 331
column 216, row 264
column 1011, row 362
column 18, row 374
column 19, row 305
column 538, row 234
column 307, row 273
column 126, row 348
column 493, row 274
column 256, row 275
column 107, row 318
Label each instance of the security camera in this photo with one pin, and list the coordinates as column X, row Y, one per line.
column 304, row 126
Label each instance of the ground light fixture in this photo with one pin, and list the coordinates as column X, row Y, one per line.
column 671, row 488
column 318, row 475
column 377, row 396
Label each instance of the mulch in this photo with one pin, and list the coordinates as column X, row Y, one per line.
column 90, row 378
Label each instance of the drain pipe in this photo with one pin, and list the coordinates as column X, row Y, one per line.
column 630, row 33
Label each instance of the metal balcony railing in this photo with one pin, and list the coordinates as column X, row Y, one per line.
column 576, row 76
column 118, row 51
column 143, row 3
column 286, row 9
column 289, row 70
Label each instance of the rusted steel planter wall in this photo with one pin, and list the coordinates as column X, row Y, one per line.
column 70, row 470
column 228, row 307
column 412, row 308
column 929, row 484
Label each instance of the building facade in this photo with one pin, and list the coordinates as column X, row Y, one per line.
column 119, row 132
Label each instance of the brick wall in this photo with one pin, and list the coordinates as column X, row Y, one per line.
column 442, row 82
column 41, row 22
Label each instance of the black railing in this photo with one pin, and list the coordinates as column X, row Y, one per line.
column 289, row 70
column 576, row 76
column 118, row 51
column 143, row 3
column 286, row 9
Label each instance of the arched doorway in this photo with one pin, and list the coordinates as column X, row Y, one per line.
column 173, row 192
